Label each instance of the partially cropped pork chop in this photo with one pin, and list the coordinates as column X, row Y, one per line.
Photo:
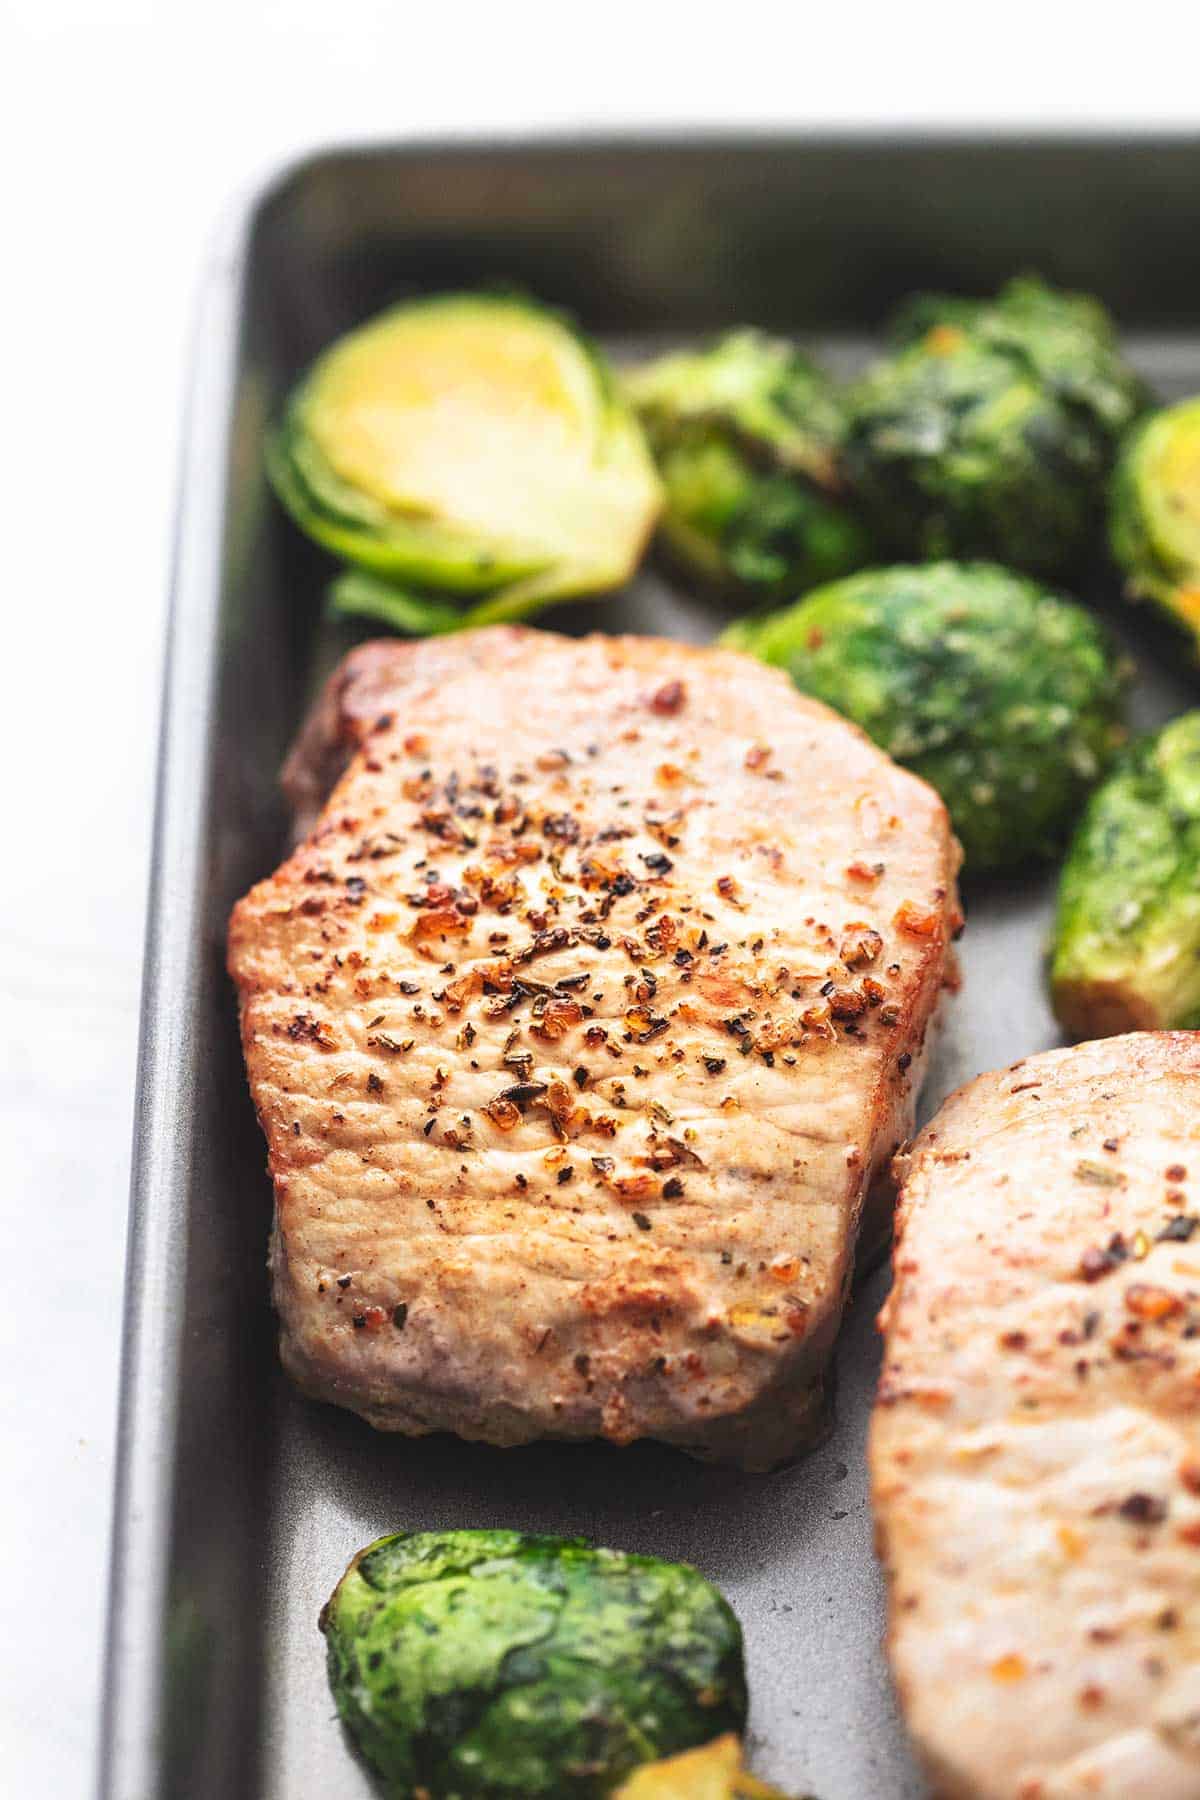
column 1036, row 1447
column 579, row 1028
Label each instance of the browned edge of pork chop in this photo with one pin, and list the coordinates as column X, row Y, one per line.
column 579, row 1026
column 1035, row 1450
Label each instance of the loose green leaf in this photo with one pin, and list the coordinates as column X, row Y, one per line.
column 357, row 594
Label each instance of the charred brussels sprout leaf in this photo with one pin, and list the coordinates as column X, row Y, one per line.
column 1005, row 698
column 1056, row 324
column 488, row 1665
column 747, row 437
column 1127, row 942
column 473, row 445
column 712, row 1773
column 992, row 428
column 1155, row 519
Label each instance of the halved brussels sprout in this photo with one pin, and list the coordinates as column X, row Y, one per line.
column 712, row 1773
column 1004, row 697
column 746, row 434
column 1127, row 941
column 1155, row 520
column 471, row 444
column 492, row 1665
column 992, row 429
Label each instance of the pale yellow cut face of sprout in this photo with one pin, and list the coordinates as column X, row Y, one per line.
column 1178, row 478
column 486, row 422
column 713, row 1772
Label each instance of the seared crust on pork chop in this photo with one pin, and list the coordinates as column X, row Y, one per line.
column 1036, row 1445
column 579, row 1028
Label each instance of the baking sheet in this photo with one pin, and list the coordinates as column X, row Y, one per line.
column 239, row 1503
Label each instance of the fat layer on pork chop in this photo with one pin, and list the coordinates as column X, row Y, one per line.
column 1035, row 1449
column 579, row 1026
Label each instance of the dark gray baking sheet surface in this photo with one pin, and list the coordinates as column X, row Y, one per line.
column 238, row 1503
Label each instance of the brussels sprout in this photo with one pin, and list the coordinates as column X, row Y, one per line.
column 472, row 444
column 1004, row 697
column 489, row 1665
column 746, row 434
column 1155, row 519
column 992, row 429
column 712, row 1773
column 1127, row 940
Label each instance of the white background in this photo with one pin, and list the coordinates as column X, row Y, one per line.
column 125, row 130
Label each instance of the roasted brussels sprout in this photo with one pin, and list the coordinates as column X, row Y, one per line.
column 1127, row 941
column 746, row 434
column 1155, row 519
column 488, row 1665
column 712, row 1773
column 992, row 429
column 1004, row 697
column 470, row 444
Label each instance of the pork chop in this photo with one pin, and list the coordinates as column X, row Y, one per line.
column 1036, row 1445
column 579, row 1027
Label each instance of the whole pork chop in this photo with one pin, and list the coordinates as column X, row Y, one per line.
column 1036, row 1446
column 579, row 1027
